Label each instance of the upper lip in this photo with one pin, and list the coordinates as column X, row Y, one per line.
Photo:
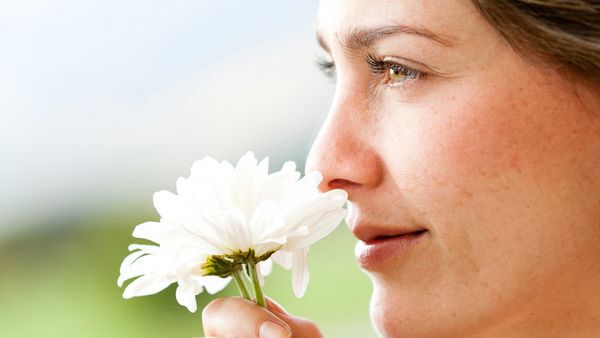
column 369, row 232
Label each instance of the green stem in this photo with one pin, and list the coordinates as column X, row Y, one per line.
column 239, row 280
column 260, row 298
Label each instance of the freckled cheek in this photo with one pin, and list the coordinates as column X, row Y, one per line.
column 454, row 165
column 462, row 149
column 451, row 161
column 450, row 154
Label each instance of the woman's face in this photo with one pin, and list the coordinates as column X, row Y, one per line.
column 437, row 124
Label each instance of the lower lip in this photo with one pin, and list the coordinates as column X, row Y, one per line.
column 374, row 253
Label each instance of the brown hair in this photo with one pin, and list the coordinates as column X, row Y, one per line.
column 565, row 33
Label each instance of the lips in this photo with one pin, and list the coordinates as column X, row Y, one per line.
column 379, row 244
column 367, row 232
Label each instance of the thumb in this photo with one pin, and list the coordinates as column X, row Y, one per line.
column 301, row 328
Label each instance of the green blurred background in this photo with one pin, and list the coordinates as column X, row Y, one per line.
column 103, row 103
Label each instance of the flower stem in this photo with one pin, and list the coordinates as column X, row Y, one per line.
column 260, row 298
column 239, row 280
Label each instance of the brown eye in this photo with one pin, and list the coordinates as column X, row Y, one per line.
column 394, row 73
column 398, row 73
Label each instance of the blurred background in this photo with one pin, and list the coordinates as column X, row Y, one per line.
column 102, row 103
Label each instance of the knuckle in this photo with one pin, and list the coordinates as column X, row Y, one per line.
column 222, row 307
column 212, row 308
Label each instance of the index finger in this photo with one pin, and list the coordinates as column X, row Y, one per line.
column 238, row 317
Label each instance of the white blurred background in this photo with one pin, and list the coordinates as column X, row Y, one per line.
column 105, row 99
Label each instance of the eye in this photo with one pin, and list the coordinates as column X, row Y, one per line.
column 326, row 66
column 398, row 73
column 395, row 73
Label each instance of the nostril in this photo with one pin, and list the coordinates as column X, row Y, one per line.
column 339, row 183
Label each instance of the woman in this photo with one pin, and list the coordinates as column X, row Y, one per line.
column 467, row 134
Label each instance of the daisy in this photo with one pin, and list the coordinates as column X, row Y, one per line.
column 227, row 221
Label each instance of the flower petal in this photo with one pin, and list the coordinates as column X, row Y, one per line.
column 125, row 265
column 144, row 247
column 231, row 230
column 245, row 183
column 266, row 226
column 321, row 228
column 214, row 284
column 283, row 258
column 129, row 269
column 264, row 268
column 299, row 272
column 145, row 285
column 153, row 231
column 186, row 296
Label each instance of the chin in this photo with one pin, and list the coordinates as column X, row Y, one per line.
column 391, row 315
column 422, row 310
column 396, row 314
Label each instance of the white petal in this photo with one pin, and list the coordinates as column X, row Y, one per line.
column 277, row 185
column 167, row 204
column 300, row 209
column 300, row 272
column 264, row 268
column 245, row 182
column 267, row 222
column 135, row 265
column 145, row 285
column 216, row 231
column 247, row 159
column 186, row 296
column 132, row 257
column 147, row 248
column 135, row 261
column 234, row 232
column 214, row 284
column 153, row 231
column 324, row 226
column 338, row 195
column 263, row 167
column 283, row 258
column 182, row 186
column 289, row 167
column 205, row 166
column 270, row 245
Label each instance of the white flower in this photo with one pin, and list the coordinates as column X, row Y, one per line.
column 226, row 212
column 175, row 260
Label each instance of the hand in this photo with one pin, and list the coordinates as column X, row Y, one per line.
column 237, row 317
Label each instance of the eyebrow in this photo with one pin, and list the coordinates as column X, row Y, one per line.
column 363, row 38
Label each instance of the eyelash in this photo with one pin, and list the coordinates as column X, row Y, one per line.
column 377, row 66
column 326, row 66
column 381, row 66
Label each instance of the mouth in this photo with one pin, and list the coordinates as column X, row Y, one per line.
column 381, row 238
column 374, row 250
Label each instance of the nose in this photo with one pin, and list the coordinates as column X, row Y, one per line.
column 345, row 150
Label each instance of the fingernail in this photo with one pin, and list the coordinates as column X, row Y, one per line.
column 271, row 330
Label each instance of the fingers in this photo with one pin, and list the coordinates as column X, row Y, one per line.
column 301, row 328
column 235, row 317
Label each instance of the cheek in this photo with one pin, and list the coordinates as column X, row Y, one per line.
column 486, row 173
column 449, row 153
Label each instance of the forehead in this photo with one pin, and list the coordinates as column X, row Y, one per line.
column 455, row 19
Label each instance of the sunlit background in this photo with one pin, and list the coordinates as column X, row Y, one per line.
column 102, row 103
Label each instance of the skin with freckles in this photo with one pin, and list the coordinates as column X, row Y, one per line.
column 438, row 124
column 498, row 158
